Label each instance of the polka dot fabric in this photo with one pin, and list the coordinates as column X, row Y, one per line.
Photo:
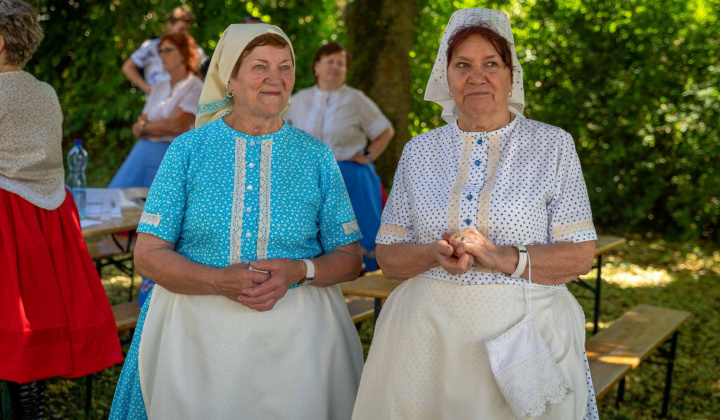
column 194, row 195
column 522, row 184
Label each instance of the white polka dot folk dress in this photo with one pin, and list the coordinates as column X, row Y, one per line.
column 521, row 184
column 223, row 197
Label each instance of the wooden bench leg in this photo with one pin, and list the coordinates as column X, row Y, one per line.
column 4, row 401
column 598, row 284
column 670, row 355
column 621, row 393
column 132, row 280
column 378, row 306
column 88, row 395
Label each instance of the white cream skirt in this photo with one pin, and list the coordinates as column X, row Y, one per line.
column 428, row 360
column 207, row 357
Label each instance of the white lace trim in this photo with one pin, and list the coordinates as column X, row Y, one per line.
column 238, row 202
column 150, row 219
column 460, row 181
column 570, row 228
column 265, row 199
column 483, row 214
column 391, row 230
column 350, row 227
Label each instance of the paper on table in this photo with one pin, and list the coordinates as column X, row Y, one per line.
column 102, row 203
column 87, row 223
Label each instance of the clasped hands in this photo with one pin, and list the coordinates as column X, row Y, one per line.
column 456, row 252
column 259, row 285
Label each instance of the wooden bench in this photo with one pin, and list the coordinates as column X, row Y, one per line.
column 117, row 252
column 617, row 350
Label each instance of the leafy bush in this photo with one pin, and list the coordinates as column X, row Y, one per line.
column 634, row 82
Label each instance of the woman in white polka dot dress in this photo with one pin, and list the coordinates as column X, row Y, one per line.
column 468, row 200
column 245, row 212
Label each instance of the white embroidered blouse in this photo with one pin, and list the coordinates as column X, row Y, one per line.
column 344, row 119
column 165, row 100
column 521, row 184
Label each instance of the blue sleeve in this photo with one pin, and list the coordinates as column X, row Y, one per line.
column 164, row 209
column 337, row 222
column 141, row 56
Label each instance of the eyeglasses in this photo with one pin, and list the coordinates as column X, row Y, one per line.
column 164, row 51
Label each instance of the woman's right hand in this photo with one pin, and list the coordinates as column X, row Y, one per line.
column 360, row 158
column 230, row 281
column 444, row 254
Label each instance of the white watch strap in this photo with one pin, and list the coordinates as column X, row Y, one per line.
column 522, row 262
column 310, row 270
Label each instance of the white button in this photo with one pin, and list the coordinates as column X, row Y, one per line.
column 247, row 235
column 248, row 209
column 252, row 143
column 249, row 187
column 251, row 165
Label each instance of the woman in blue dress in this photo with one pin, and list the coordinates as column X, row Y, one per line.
column 247, row 230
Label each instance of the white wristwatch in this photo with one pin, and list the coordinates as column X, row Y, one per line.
column 522, row 262
column 310, row 276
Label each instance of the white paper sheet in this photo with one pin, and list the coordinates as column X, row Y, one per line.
column 103, row 203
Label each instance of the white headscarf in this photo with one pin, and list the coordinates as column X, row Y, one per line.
column 214, row 101
column 437, row 89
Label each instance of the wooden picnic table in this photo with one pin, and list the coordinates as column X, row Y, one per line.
column 379, row 287
column 128, row 222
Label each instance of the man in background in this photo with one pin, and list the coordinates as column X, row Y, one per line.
column 147, row 56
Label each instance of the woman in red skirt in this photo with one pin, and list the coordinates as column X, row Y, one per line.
column 55, row 319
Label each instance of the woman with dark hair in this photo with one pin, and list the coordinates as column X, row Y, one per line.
column 55, row 319
column 488, row 218
column 345, row 119
column 247, row 230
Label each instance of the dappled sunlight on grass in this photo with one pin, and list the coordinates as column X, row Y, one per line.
column 636, row 276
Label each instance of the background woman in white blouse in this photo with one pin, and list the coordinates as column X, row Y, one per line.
column 467, row 197
column 169, row 111
column 344, row 119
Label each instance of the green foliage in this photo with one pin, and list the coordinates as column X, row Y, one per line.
column 86, row 43
column 634, row 82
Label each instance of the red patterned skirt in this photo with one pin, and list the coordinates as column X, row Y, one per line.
column 55, row 319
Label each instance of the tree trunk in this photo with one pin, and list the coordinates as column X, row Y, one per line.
column 380, row 36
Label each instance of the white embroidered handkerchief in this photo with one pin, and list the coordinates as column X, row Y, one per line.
column 525, row 370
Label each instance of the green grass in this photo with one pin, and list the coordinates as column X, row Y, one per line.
column 650, row 271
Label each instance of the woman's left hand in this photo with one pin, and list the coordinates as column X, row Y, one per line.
column 283, row 274
column 137, row 128
column 472, row 242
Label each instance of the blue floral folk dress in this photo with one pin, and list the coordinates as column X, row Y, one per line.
column 223, row 197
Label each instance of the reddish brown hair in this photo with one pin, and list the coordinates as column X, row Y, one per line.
column 186, row 46
column 501, row 45
column 267, row 38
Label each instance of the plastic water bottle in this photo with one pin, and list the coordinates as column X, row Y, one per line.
column 77, row 160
